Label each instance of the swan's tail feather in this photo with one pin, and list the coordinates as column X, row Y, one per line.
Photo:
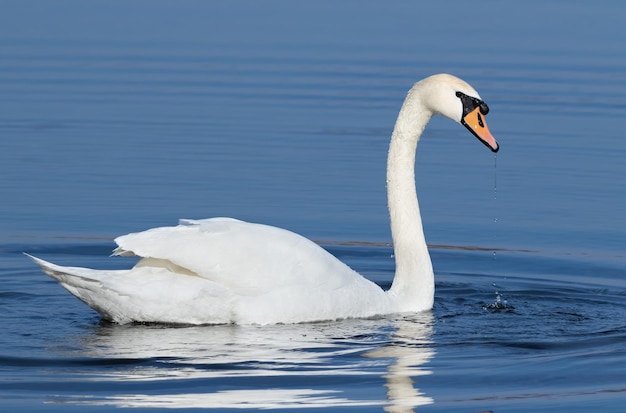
column 145, row 294
column 88, row 289
column 63, row 274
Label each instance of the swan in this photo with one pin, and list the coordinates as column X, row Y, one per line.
column 223, row 270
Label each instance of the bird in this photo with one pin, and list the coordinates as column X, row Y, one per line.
column 227, row 271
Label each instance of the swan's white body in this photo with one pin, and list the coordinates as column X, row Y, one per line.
column 222, row 270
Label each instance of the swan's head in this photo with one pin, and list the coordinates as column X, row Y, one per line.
column 454, row 98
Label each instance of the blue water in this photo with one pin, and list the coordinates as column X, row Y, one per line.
column 120, row 116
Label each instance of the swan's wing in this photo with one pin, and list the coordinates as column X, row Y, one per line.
column 223, row 271
column 250, row 259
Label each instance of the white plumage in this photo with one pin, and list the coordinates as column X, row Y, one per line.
column 223, row 270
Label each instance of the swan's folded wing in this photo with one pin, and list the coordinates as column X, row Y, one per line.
column 249, row 258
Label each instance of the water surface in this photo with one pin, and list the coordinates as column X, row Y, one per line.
column 116, row 117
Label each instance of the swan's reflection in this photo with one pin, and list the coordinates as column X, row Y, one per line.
column 409, row 351
column 301, row 362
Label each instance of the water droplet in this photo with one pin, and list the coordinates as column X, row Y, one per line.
column 495, row 176
column 495, row 194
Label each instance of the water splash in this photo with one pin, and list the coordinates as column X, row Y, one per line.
column 500, row 303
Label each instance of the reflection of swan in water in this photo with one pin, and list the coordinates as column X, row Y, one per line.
column 298, row 359
column 410, row 351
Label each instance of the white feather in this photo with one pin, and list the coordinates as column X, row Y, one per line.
column 222, row 270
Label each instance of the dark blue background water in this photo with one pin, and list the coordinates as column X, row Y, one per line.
column 119, row 116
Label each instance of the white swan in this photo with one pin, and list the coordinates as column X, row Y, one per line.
column 222, row 270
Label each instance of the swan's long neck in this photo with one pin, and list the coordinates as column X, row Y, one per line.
column 413, row 285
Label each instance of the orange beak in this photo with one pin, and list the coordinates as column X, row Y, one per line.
column 475, row 122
